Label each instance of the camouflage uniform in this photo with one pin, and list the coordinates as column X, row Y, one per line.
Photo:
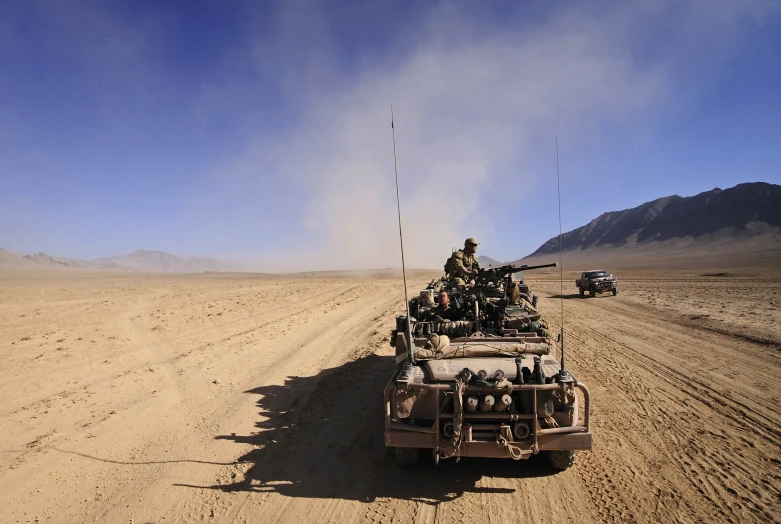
column 462, row 267
column 541, row 328
column 527, row 307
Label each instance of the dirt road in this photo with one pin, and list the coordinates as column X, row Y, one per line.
column 235, row 398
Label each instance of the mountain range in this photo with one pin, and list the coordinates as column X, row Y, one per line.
column 746, row 211
column 740, row 222
column 141, row 261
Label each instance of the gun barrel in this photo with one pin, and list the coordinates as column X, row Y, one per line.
column 527, row 268
column 512, row 268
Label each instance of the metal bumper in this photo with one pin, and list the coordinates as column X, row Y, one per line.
column 413, row 439
column 540, row 439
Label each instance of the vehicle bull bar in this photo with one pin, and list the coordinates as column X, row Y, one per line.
column 566, row 437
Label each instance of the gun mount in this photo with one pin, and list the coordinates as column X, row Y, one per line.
column 498, row 281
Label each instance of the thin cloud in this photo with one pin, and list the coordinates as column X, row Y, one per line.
column 468, row 103
column 307, row 180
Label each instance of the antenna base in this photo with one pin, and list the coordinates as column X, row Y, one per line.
column 563, row 376
column 405, row 376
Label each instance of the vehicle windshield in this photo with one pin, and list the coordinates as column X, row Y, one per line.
column 598, row 274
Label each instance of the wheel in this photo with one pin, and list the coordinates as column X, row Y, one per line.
column 592, row 291
column 582, row 292
column 407, row 457
column 561, row 459
column 615, row 291
column 534, row 301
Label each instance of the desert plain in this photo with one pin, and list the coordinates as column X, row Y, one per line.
column 140, row 398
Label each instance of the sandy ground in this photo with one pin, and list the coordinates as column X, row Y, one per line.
column 130, row 398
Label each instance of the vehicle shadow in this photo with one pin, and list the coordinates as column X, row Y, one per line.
column 573, row 295
column 322, row 437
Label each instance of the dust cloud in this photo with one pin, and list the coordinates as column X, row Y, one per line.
column 477, row 107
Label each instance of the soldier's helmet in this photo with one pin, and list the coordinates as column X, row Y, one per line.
column 471, row 242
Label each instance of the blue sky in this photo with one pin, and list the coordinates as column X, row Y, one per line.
column 259, row 131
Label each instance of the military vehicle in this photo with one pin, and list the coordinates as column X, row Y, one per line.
column 596, row 281
column 487, row 384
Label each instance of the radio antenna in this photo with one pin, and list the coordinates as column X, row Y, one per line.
column 410, row 342
column 563, row 373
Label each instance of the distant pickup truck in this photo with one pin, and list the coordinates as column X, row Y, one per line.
column 597, row 281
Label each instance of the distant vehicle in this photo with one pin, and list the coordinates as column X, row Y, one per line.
column 597, row 281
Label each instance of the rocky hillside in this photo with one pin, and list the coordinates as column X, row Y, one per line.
column 745, row 212
column 141, row 261
column 162, row 262
column 44, row 260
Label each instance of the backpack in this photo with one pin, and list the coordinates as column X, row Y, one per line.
column 450, row 265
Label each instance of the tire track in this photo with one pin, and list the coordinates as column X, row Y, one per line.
column 686, row 428
column 677, row 408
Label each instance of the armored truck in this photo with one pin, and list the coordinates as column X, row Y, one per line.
column 485, row 382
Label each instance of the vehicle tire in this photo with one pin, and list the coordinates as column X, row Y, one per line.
column 615, row 291
column 407, row 457
column 582, row 292
column 592, row 291
column 562, row 459
column 534, row 301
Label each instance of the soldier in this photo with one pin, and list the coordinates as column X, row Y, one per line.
column 515, row 297
column 444, row 311
column 540, row 327
column 462, row 266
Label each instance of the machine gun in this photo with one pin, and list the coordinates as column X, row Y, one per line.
column 497, row 273
column 496, row 281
